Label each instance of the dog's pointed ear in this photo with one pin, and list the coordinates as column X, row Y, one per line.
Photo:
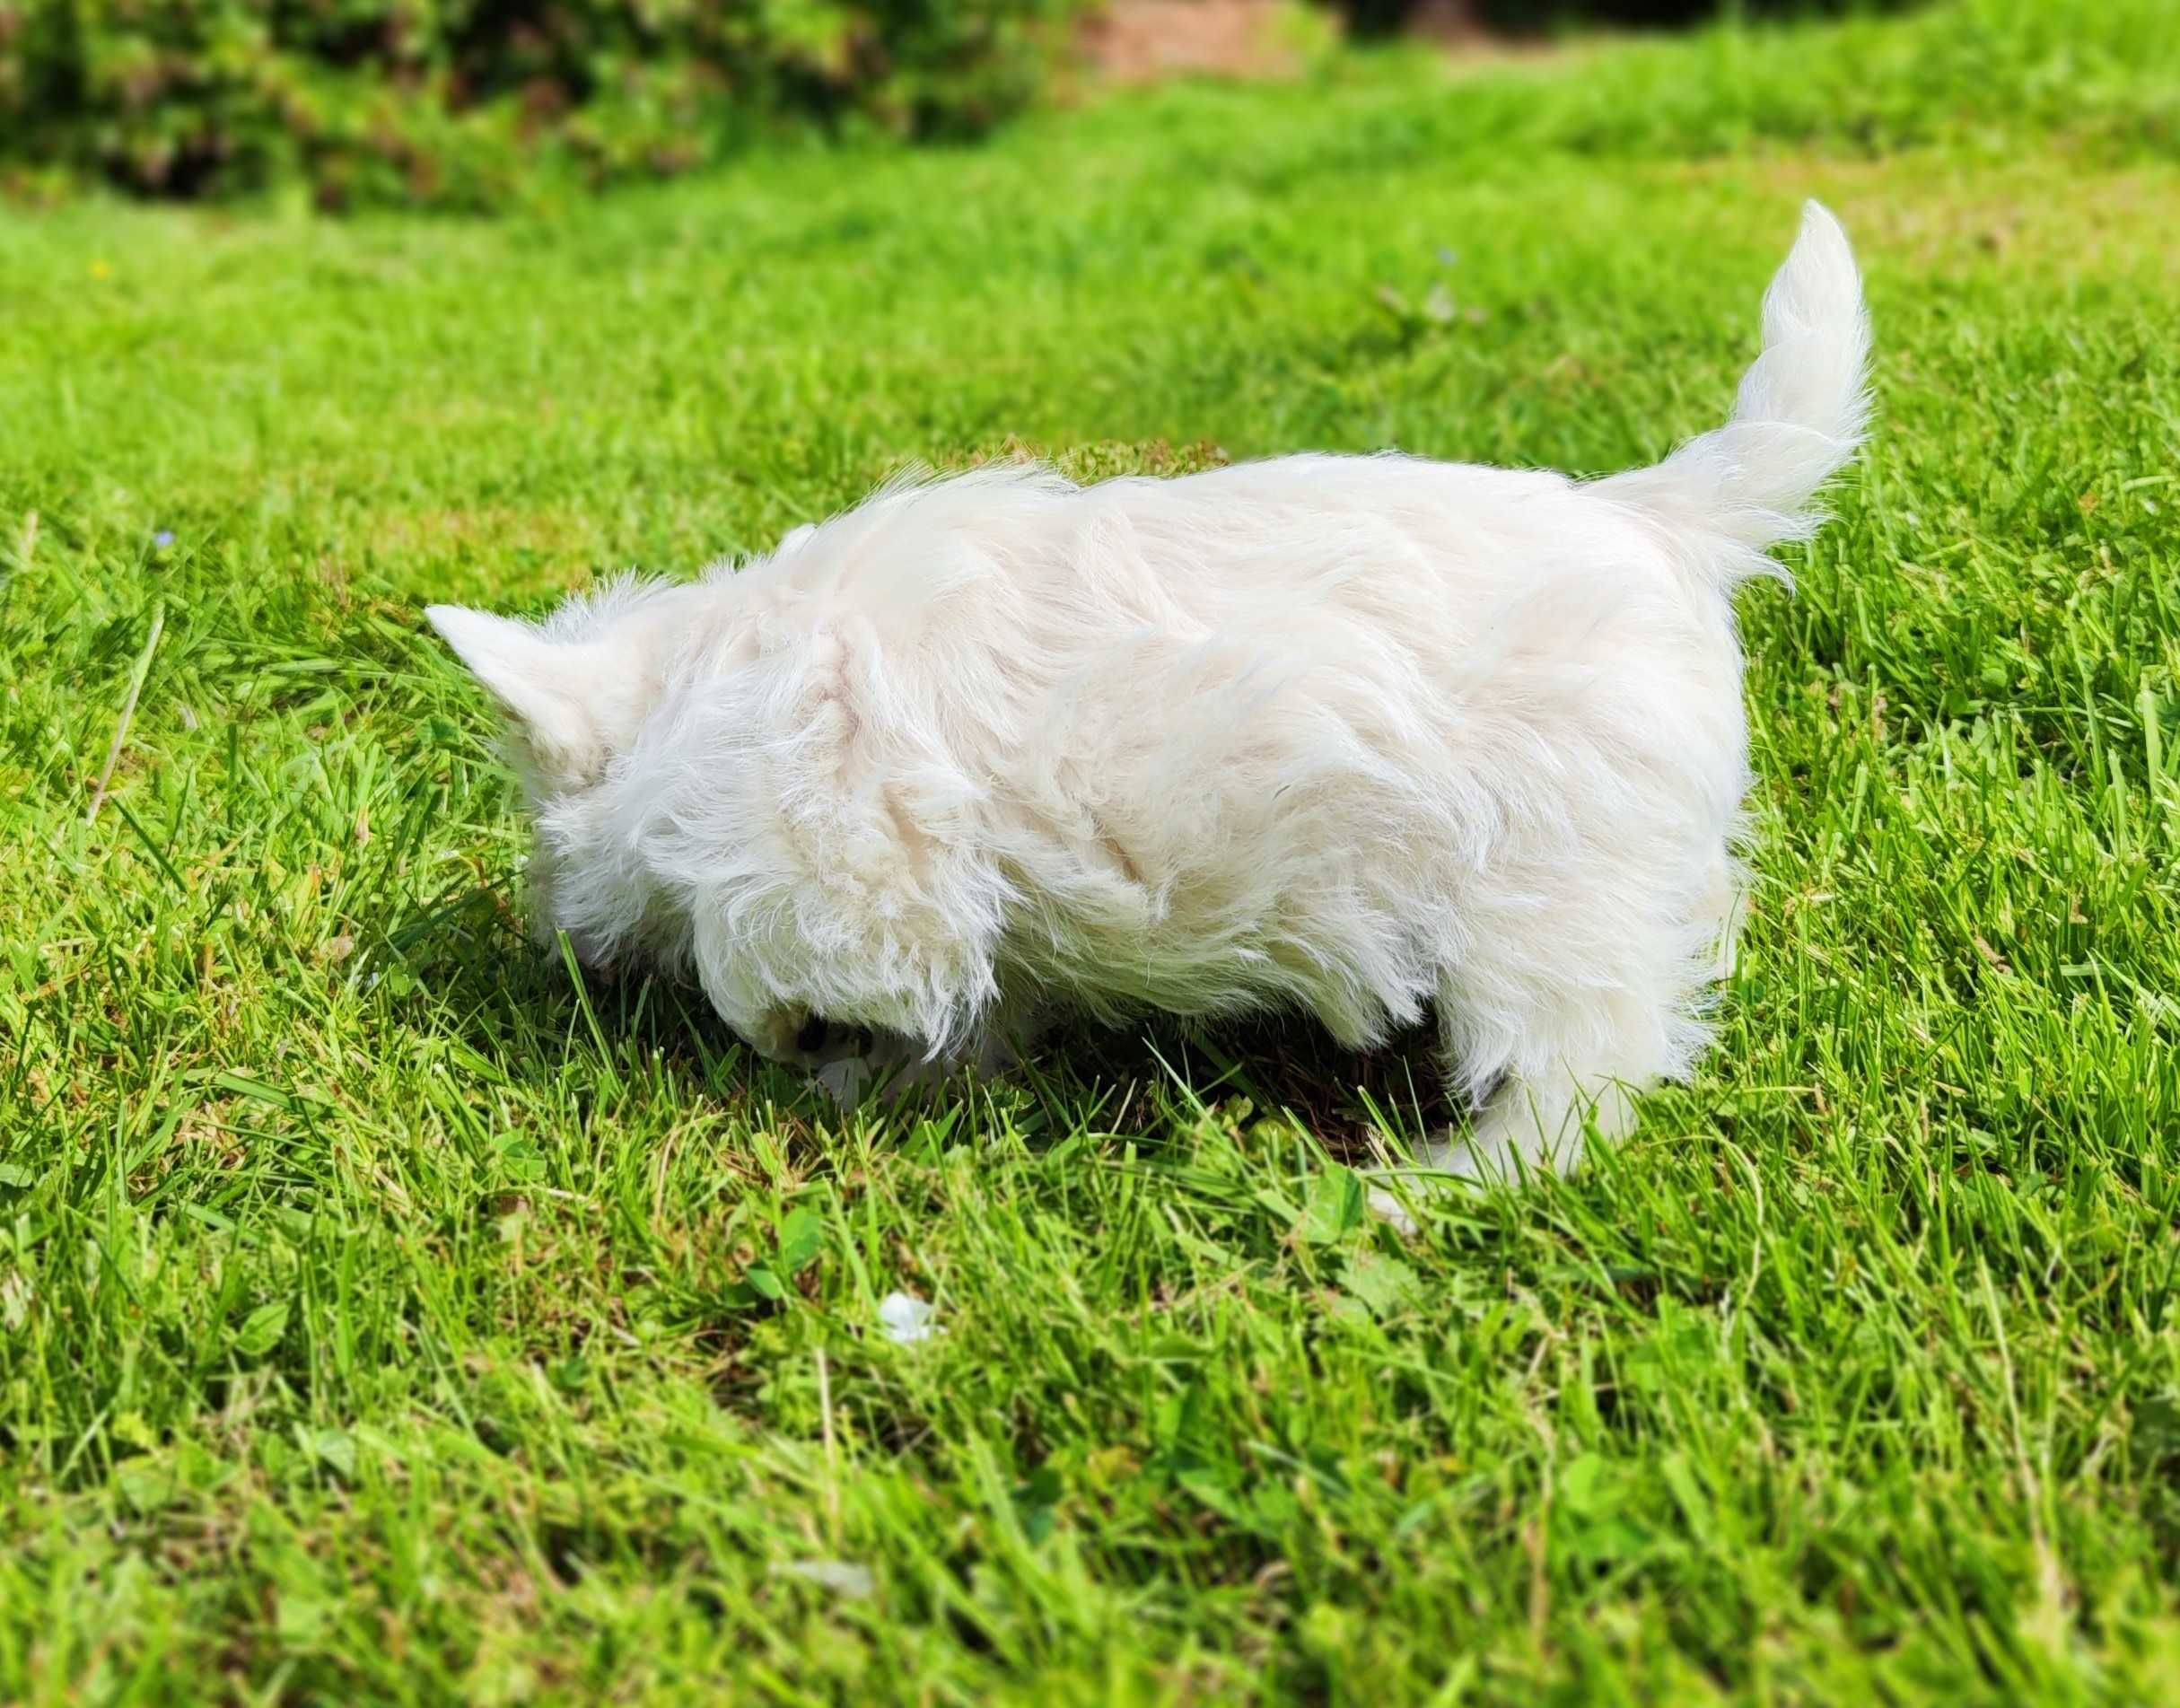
column 540, row 682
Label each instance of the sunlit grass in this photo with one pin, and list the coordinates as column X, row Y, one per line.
column 382, row 1314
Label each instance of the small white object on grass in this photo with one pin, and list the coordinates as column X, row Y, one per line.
column 842, row 1577
column 846, row 1079
column 906, row 1318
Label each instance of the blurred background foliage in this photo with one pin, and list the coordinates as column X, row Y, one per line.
column 451, row 103
column 469, row 103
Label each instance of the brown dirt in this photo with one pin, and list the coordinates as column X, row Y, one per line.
column 1139, row 41
column 1133, row 41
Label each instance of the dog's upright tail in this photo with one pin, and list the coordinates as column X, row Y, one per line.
column 1749, row 485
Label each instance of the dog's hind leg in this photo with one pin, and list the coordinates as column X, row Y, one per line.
column 1583, row 1048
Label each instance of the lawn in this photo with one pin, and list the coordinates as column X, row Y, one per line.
column 386, row 1314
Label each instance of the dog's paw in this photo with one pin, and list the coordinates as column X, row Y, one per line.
column 1394, row 1213
column 1442, row 1166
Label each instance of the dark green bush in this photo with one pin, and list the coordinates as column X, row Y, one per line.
column 460, row 102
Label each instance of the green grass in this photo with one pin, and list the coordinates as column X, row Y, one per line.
column 383, row 1315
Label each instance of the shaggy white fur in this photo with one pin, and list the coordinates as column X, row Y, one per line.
column 1362, row 735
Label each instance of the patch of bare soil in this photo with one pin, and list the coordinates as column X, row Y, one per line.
column 1141, row 42
column 1134, row 41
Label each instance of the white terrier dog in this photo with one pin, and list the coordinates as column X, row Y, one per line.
column 1360, row 735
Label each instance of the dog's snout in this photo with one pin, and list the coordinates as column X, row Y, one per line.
column 811, row 1037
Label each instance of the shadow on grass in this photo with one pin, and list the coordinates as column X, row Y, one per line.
column 513, row 1002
